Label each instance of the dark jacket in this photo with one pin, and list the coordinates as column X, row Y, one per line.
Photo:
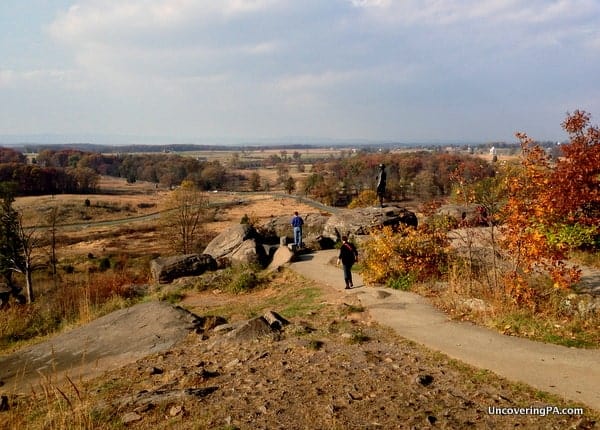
column 348, row 254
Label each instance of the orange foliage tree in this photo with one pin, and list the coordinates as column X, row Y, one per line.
column 544, row 196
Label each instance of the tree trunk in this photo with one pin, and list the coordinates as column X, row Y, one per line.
column 29, row 286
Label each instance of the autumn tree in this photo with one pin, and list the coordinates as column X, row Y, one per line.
column 183, row 220
column 545, row 198
column 576, row 182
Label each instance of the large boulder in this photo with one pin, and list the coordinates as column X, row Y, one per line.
column 282, row 256
column 280, row 226
column 248, row 252
column 166, row 269
column 360, row 221
column 237, row 245
column 228, row 241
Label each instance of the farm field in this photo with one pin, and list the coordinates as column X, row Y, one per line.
column 123, row 218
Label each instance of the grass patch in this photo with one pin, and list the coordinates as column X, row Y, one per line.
column 172, row 297
column 568, row 333
column 315, row 344
column 553, row 315
column 591, row 259
column 352, row 309
column 358, row 337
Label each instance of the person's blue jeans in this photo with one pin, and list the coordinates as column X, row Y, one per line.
column 298, row 236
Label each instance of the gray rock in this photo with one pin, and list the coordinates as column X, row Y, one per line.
column 237, row 245
column 165, row 269
column 282, row 256
column 360, row 221
column 130, row 417
column 248, row 252
column 229, row 240
column 255, row 328
column 280, row 226
column 476, row 305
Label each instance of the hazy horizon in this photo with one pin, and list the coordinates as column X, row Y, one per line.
column 120, row 140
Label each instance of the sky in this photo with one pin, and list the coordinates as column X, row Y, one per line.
column 211, row 71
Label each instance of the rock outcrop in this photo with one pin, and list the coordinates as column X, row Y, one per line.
column 465, row 215
column 166, row 269
column 280, row 226
column 239, row 244
column 357, row 222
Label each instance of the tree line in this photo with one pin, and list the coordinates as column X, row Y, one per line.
column 422, row 174
column 74, row 171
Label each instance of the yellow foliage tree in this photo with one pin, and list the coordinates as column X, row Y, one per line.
column 365, row 198
column 418, row 253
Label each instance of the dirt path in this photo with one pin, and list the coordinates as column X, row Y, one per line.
column 571, row 373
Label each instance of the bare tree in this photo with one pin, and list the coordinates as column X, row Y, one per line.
column 183, row 221
column 25, row 264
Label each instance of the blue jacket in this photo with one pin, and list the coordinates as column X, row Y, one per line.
column 297, row 221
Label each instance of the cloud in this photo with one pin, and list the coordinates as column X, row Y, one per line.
column 33, row 78
column 244, row 65
column 460, row 11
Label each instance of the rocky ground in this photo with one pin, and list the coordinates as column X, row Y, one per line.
column 331, row 367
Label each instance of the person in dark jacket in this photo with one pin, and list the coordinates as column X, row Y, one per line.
column 348, row 256
column 381, row 183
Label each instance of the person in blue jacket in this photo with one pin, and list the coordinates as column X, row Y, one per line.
column 297, row 223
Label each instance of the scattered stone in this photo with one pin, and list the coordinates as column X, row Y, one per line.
column 425, row 380
column 154, row 371
column 237, row 245
column 431, row 419
column 4, row 406
column 175, row 410
column 159, row 396
column 248, row 252
column 206, row 374
column 275, row 320
column 251, row 330
column 211, row 322
column 476, row 305
column 130, row 417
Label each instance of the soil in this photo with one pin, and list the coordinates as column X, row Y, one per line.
column 331, row 367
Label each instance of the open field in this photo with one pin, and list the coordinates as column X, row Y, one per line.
column 124, row 220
